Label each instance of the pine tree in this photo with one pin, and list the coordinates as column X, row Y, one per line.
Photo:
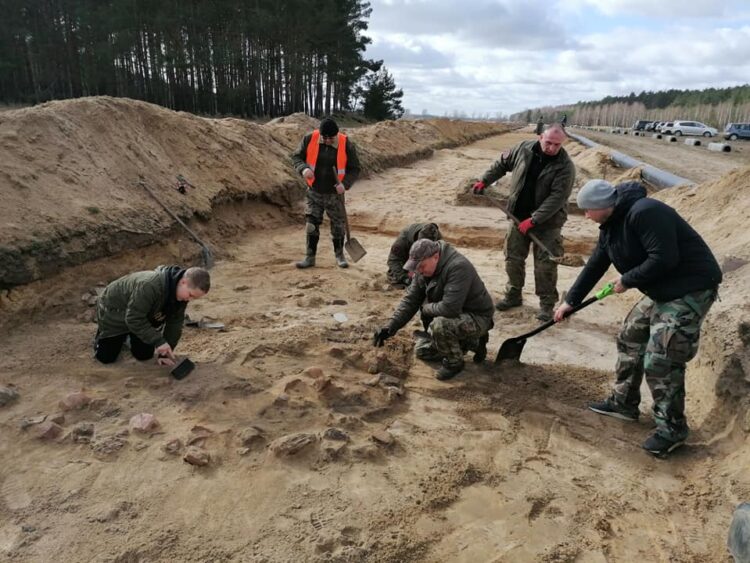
column 380, row 97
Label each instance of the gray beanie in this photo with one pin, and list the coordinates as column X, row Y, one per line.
column 596, row 194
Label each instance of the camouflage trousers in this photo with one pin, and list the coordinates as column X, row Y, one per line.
column 545, row 270
column 316, row 205
column 452, row 338
column 658, row 339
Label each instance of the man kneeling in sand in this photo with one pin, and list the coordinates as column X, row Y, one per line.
column 451, row 296
column 149, row 307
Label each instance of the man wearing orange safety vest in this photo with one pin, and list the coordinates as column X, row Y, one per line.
column 328, row 162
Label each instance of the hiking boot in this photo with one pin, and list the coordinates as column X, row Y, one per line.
column 449, row 370
column 338, row 250
column 312, row 249
column 545, row 314
column 481, row 352
column 660, row 446
column 428, row 355
column 508, row 302
column 609, row 408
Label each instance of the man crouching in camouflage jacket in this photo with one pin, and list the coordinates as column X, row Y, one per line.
column 450, row 294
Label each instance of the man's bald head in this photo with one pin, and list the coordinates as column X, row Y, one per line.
column 552, row 139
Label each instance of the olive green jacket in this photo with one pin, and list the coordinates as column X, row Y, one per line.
column 453, row 289
column 137, row 303
column 553, row 187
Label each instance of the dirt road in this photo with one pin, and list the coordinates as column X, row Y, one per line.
column 324, row 450
column 694, row 163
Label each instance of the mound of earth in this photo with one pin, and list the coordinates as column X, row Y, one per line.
column 74, row 173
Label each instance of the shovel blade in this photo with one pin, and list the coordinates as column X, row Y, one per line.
column 511, row 349
column 354, row 249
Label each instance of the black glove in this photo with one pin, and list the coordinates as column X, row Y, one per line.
column 381, row 336
column 426, row 320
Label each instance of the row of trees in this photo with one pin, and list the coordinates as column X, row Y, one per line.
column 230, row 57
column 715, row 107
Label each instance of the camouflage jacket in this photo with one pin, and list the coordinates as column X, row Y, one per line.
column 454, row 288
column 553, row 187
column 141, row 303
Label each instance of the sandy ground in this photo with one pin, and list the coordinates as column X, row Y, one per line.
column 322, row 449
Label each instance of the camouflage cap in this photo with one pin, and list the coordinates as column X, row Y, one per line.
column 423, row 248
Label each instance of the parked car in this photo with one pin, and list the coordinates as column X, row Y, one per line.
column 692, row 128
column 734, row 131
column 651, row 126
column 666, row 128
column 641, row 124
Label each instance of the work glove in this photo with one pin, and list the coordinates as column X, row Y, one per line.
column 526, row 225
column 381, row 336
column 478, row 188
column 426, row 320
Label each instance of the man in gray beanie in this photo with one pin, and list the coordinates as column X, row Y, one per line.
column 328, row 162
column 449, row 293
column 657, row 252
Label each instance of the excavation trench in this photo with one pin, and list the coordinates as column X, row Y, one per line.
column 325, row 449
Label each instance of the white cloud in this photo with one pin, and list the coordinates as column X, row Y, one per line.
column 508, row 55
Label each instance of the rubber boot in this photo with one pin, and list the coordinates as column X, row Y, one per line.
column 338, row 249
column 312, row 249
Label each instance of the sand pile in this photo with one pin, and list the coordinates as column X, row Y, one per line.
column 71, row 171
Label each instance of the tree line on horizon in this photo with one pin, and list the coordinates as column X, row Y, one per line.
column 713, row 106
column 223, row 57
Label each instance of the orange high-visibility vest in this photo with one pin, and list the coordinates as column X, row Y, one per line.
column 312, row 155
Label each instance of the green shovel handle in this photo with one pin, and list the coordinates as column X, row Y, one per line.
column 606, row 291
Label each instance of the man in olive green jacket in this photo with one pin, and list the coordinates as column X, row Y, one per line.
column 541, row 184
column 149, row 307
column 452, row 297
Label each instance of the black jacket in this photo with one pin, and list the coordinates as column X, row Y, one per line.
column 454, row 288
column 654, row 249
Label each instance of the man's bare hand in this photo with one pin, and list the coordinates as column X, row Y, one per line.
column 619, row 287
column 308, row 174
column 340, row 188
column 164, row 361
column 561, row 311
column 165, row 351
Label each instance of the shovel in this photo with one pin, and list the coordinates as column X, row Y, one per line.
column 534, row 238
column 355, row 250
column 511, row 349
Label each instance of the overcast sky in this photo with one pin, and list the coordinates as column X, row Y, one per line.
column 503, row 56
